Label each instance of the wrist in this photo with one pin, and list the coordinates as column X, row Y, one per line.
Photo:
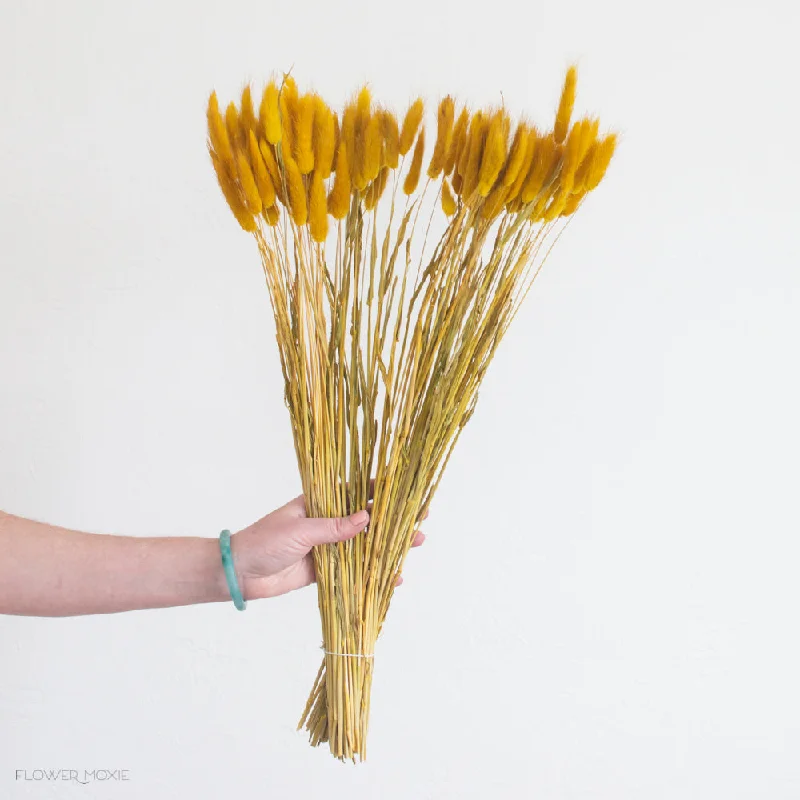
column 219, row 584
column 242, row 553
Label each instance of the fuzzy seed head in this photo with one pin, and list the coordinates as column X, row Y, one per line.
column 296, row 190
column 273, row 169
column 247, row 115
column 304, row 142
column 391, row 139
column 516, row 155
column 324, row 138
column 318, row 209
column 584, row 168
column 495, row 201
column 565, row 105
column 556, row 206
column 494, row 153
column 448, row 200
column 364, row 103
column 263, row 181
column 232, row 125
column 248, row 183
column 444, row 136
column 605, row 151
column 412, row 178
column 456, row 141
column 571, row 206
column 588, row 135
column 339, row 199
column 571, row 155
column 288, row 101
column 232, row 194
column 477, row 136
column 272, row 215
column 371, row 153
column 544, row 152
column 411, row 122
column 218, row 132
column 539, row 207
column 376, row 188
column 269, row 113
column 463, row 156
column 348, row 134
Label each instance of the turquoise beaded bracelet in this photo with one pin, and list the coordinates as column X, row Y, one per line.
column 230, row 574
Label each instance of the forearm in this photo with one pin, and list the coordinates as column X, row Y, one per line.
column 51, row 571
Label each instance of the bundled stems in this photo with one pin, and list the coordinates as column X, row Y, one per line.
column 383, row 346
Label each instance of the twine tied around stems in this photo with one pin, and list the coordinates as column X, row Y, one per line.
column 346, row 655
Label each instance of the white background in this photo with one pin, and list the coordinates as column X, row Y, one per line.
column 607, row 603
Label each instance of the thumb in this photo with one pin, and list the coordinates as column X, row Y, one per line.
column 327, row 530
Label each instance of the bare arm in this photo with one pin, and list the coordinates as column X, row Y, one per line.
column 51, row 571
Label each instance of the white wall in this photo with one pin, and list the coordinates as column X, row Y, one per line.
column 607, row 603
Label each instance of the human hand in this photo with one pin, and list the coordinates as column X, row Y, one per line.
column 273, row 556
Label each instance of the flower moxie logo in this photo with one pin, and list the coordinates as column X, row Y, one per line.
column 75, row 775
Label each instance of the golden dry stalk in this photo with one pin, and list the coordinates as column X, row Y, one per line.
column 383, row 347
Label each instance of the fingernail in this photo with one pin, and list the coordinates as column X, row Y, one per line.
column 359, row 518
